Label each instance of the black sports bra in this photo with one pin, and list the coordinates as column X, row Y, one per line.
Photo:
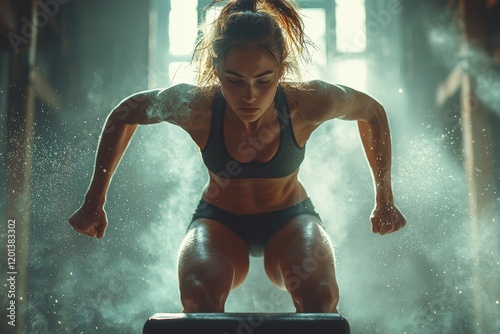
column 285, row 161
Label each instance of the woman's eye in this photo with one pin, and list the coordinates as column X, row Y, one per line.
column 234, row 81
column 264, row 81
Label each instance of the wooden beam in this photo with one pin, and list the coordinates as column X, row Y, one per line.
column 44, row 90
column 478, row 162
column 19, row 138
column 7, row 18
column 451, row 85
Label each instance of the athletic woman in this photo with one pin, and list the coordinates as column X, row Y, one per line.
column 251, row 125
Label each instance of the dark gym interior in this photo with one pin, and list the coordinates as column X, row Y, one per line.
column 433, row 64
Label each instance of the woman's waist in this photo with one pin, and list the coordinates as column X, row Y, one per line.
column 254, row 196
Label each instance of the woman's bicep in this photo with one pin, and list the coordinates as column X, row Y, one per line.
column 156, row 106
column 357, row 106
column 133, row 110
column 326, row 101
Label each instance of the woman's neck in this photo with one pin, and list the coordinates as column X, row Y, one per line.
column 251, row 127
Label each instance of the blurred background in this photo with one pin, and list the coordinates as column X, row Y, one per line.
column 433, row 64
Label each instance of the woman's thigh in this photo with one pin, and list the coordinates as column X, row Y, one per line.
column 211, row 250
column 300, row 254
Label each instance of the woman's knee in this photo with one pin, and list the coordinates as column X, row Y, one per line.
column 205, row 279
column 209, row 266
column 317, row 297
column 301, row 260
column 202, row 291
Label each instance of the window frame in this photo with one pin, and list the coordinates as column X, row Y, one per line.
column 162, row 57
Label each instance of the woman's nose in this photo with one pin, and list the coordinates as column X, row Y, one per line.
column 248, row 99
column 248, row 95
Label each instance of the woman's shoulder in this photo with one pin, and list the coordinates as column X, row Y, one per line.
column 319, row 101
column 185, row 97
column 314, row 89
column 183, row 104
column 316, row 100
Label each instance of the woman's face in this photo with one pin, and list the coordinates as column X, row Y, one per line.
column 249, row 78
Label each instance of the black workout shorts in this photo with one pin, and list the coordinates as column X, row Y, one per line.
column 255, row 229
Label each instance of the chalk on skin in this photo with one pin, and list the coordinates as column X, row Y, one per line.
column 246, row 323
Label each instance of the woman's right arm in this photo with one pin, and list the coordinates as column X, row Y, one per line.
column 148, row 107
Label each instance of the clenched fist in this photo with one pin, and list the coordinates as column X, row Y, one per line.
column 89, row 220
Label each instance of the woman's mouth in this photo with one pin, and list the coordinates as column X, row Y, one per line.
column 248, row 110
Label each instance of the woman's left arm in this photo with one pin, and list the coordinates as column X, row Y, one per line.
column 376, row 140
column 336, row 101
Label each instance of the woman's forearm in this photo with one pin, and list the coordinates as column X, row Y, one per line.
column 113, row 142
column 376, row 140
